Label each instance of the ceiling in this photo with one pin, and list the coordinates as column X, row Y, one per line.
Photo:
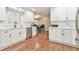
column 44, row 11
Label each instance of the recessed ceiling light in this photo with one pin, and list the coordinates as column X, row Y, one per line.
column 33, row 9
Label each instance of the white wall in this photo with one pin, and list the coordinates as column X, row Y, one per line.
column 45, row 21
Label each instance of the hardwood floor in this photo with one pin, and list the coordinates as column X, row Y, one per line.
column 39, row 43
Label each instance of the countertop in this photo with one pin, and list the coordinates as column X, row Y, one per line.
column 7, row 28
column 70, row 28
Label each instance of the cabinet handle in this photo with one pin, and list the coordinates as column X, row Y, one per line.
column 6, row 32
column 20, row 33
column 62, row 33
column 10, row 35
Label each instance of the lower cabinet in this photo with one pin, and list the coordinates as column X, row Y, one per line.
column 18, row 34
column 53, row 34
column 63, row 35
column 5, row 38
column 73, row 36
column 11, row 36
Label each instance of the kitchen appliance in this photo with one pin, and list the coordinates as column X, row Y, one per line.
column 77, row 28
column 29, row 32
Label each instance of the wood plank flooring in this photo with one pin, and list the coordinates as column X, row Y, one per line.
column 39, row 42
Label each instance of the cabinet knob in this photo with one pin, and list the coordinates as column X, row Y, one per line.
column 62, row 33
column 66, row 18
column 20, row 33
column 6, row 32
column 10, row 35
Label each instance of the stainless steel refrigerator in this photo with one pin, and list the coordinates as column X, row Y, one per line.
column 77, row 27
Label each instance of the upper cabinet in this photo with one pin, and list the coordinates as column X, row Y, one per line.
column 13, row 16
column 28, row 16
column 70, row 13
column 2, row 13
column 63, row 13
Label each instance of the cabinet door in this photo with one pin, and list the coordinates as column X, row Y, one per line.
column 58, row 14
column 54, row 34
column 28, row 16
column 70, row 13
column 22, row 34
column 73, row 36
column 2, row 13
column 5, row 38
column 65, row 35
column 18, row 35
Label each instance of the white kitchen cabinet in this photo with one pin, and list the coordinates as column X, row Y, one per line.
column 54, row 34
column 28, row 16
column 57, row 14
column 70, row 13
column 22, row 34
column 68, row 36
column 18, row 35
column 63, row 13
column 5, row 38
column 2, row 13
column 63, row 35
column 11, row 36
column 34, row 30
column 73, row 36
column 13, row 15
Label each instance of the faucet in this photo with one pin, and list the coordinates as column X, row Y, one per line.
column 15, row 23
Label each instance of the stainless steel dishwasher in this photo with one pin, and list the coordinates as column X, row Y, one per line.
column 29, row 32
